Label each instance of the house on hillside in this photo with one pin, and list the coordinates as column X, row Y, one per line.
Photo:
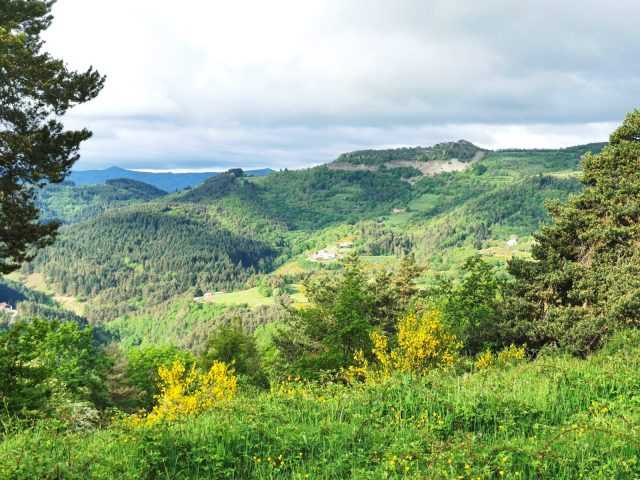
column 345, row 244
column 512, row 242
column 324, row 255
column 398, row 210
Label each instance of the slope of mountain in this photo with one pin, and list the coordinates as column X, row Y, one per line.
column 461, row 150
column 232, row 229
column 71, row 203
column 309, row 199
column 148, row 253
column 166, row 181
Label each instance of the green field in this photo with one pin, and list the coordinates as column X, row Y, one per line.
column 252, row 297
column 37, row 281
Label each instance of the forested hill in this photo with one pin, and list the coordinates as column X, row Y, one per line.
column 71, row 203
column 308, row 199
column 166, row 181
column 129, row 246
column 461, row 150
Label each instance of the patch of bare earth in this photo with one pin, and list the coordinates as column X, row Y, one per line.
column 430, row 168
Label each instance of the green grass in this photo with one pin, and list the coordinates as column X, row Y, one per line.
column 252, row 297
column 37, row 281
column 556, row 417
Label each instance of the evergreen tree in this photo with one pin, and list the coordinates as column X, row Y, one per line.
column 326, row 335
column 35, row 90
column 586, row 278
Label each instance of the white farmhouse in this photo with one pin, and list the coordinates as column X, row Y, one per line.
column 512, row 242
column 325, row 255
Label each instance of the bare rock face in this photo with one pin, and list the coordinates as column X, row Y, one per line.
column 440, row 158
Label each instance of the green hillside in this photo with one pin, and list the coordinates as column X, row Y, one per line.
column 224, row 234
column 145, row 254
column 334, row 323
column 71, row 203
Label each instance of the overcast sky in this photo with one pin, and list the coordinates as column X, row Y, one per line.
column 208, row 84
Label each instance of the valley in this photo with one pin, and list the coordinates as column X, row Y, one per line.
column 127, row 247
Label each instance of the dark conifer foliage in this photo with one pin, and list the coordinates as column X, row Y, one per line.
column 35, row 90
column 586, row 280
column 146, row 254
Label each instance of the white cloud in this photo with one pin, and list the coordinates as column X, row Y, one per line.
column 290, row 83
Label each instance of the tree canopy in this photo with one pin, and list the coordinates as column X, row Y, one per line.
column 35, row 91
column 586, row 278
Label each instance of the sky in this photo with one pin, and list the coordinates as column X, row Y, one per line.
column 210, row 85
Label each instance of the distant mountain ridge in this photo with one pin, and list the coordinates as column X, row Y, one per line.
column 167, row 181
column 415, row 162
column 461, row 150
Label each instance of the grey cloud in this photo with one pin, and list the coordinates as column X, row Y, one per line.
column 317, row 78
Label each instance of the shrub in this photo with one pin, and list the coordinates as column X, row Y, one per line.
column 184, row 394
column 423, row 344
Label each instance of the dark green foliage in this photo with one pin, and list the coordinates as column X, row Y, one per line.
column 586, row 278
column 313, row 198
column 516, row 206
column 166, row 181
column 69, row 203
column 474, row 307
column 401, row 172
column 308, row 199
column 35, row 91
column 50, row 312
column 149, row 254
column 326, row 335
column 215, row 188
column 479, row 168
column 14, row 292
column 461, row 150
column 46, row 365
column 140, row 190
column 344, row 310
column 232, row 345
column 381, row 240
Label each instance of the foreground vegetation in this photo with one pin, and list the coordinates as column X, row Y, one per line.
column 555, row 417
column 528, row 371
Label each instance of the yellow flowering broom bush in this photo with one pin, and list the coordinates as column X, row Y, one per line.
column 506, row 357
column 423, row 344
column 185, row 393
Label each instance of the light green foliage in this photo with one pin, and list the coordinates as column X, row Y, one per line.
column 231, row 345
column 473, row 307
column 325, row 335
column 46, row 366
column 554, row 418
column 176, row 322
column 141, row 370
column 342, row 312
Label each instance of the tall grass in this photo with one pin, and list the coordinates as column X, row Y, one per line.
column 555, row 417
